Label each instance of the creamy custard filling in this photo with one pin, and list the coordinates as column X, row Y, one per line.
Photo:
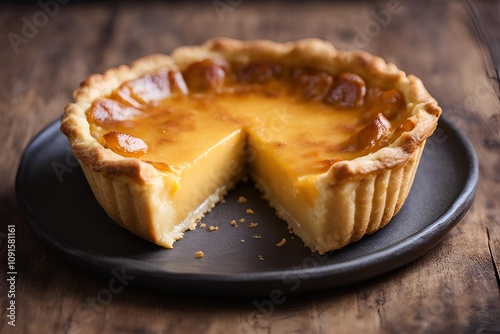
column 216, row 169
column 203, row 127
column 309, row 136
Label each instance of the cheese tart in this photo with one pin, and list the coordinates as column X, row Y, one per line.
column 332, row 139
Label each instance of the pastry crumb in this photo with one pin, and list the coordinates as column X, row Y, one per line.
column 203, row 225
column 242, row 199
column 281, row 243
column 213, row 228
column 242, row 240
column 251, row 225
column 261, row 258
column 249, row 212
column 242, row 220
column 256, row 236
column 199, row 254
column 233, row 222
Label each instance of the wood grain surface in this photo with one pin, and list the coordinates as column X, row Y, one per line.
column 455, row 288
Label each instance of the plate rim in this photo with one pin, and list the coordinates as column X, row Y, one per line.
column 389, row 258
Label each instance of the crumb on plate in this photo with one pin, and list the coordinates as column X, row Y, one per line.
column 281, row 243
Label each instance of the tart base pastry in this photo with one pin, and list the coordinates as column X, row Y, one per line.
column 332, row 139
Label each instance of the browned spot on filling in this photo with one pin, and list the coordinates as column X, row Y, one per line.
column 259, row 72
column 312, row 84
column 348, row 91
column 373, row 134
column 206, row 74
column 126, row 145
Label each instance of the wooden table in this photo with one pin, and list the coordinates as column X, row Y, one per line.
column 45, row 51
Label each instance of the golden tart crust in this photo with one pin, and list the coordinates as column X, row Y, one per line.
column 354, row 197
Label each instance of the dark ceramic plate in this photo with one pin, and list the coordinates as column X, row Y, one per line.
column 58, row 206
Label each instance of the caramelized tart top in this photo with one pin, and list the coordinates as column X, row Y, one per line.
column 313, row 118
